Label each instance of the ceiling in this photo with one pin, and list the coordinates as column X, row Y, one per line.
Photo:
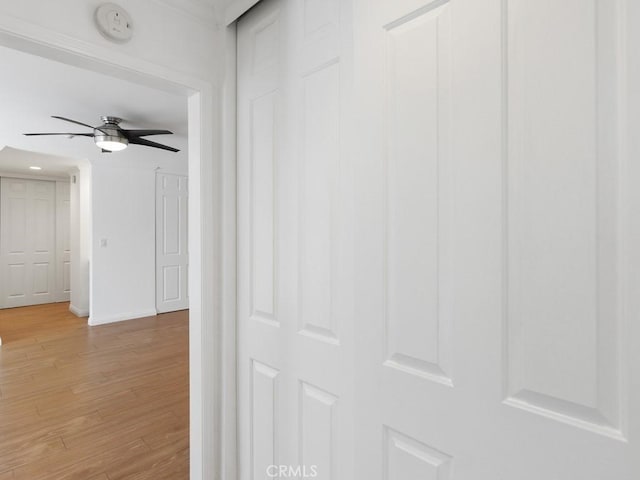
column 17, row 161
column 33, row 88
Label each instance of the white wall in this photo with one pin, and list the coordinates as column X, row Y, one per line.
column 122, row 194
column 123, row 215
column 162, row 34
column 187, row 50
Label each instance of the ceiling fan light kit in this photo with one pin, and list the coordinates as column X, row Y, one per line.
column 110, row 137
column 112, row 144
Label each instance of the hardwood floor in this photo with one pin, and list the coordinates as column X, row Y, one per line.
column 93, row 403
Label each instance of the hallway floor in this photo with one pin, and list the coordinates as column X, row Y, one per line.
column 93, row 403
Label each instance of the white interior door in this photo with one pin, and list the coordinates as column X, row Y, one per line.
column 493, row 243
column 295, row 339
column 472, row 317
column 172, row 258
column 63, row 242
column 27, row 242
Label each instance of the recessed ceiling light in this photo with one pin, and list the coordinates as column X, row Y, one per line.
column 35, row 168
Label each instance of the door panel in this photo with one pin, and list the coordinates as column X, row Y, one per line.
column 16, row 280
column 63, row 241
column 488, row 226
column 293, row 255
column 418, row 180
column 27, row 242
column 262, row 206
column 563, row 196
column 438, row 239
column 172, row 259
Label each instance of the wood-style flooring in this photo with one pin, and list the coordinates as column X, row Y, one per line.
column 93, row 403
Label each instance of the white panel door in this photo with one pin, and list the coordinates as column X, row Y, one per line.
column 439, row 239
column 295, row 336
column 495, row 219
column 63, row 242
column 172, row 258
column 27, row 242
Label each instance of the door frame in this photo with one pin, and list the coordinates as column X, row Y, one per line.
column 228, row 426
column 211, row 240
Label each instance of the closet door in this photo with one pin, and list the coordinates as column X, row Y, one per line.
column 439, row 239
column 497, row 241
column 27, row 242
column 294, row 271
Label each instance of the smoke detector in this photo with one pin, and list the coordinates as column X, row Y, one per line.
column 114, row 23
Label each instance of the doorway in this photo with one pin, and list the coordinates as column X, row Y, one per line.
column 205, row 212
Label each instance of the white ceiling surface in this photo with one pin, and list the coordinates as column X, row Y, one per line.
column 16, row 161
column 33, row 88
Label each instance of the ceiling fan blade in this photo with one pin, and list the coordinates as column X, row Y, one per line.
column 67, row 134
column 149, row 143
column 144, row 133
column 79, row 123
column 72, row 121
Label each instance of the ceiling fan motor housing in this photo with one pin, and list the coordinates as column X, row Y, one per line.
column 109, row 131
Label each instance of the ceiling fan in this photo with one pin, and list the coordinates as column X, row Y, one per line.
column 110, row 137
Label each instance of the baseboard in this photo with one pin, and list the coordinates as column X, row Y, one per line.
column 93, row 320
column 78, row 312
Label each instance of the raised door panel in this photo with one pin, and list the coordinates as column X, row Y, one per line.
column 171, row 217
column 407, row 458
column 563, row 200
column 16, row 215
column 319, row 14
column 42, row 224
column 40, row 278
column 419, row 194
column 264, row 419
column 318, row 442
column 171, row 283
column 66, row 277
column 265, row 48
column 319, row 166
column 263, row 207
column 16, row 281
column 317, row 79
